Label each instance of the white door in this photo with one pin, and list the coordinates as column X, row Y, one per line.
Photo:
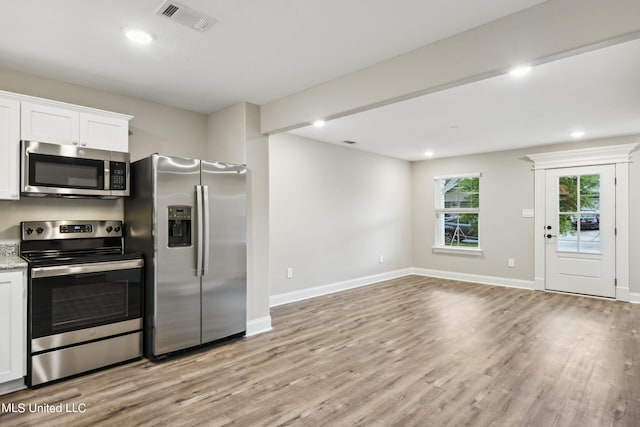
column 580, row 230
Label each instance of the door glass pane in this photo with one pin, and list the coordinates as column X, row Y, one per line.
column 579, row 215
column 589, row 193
column 568, row 193
column 567, row 237
column 589, row 234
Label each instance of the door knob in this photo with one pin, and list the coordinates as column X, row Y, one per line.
column 548, row 236
column 548, row 227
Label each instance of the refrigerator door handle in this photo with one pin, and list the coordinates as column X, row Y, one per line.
column 206, row 231
column 199, row 234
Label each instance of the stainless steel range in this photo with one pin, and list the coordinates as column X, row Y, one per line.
column 84, row 300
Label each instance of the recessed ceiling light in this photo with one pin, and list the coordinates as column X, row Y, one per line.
column 138, row 36
column 429, row 153
column 520, row 71
column 319, row 123
column 577, row 134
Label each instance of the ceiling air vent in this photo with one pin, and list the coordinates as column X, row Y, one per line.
column 170, row 10
column 184, row 15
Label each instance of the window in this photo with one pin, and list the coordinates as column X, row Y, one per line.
column 457, row 211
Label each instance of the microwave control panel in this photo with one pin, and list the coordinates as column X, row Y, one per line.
column 118, row 178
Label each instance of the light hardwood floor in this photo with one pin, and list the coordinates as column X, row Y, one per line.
column 411, row 351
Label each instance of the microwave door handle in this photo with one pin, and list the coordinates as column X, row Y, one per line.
column 199, row 232
column 207, row 230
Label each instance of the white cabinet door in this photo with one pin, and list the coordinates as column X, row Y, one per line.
column 46, row 123
column 106, row 133
column 12, row 326
column 10, row 149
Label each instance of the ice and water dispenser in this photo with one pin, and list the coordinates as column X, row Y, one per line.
column 179, row 226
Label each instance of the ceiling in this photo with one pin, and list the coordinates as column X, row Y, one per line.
column 258, row 51
column 597, row 92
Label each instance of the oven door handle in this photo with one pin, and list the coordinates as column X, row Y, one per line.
column 94, row 267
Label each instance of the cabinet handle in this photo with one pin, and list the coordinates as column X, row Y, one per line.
column 84, row 144
column 75, row 142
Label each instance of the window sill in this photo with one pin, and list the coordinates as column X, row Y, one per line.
column 457, row 250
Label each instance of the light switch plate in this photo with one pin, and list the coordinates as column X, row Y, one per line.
column 528, row 213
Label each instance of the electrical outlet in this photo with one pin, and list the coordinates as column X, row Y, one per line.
column 511, row 262
column 380, row 258
column 290, row 273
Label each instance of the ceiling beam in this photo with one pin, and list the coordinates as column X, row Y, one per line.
column 543, row 33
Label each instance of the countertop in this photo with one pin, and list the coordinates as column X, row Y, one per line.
column 9, row 258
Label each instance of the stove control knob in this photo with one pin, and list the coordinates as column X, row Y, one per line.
column 109, row 229
column 29, row 230
column 39, row 230
column 117, row 229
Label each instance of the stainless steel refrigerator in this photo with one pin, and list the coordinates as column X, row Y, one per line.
column 188, row 218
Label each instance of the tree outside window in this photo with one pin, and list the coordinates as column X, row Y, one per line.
column 579, row 200
column 458, row 211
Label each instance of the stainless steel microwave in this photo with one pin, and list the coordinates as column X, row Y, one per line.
column 71, row 171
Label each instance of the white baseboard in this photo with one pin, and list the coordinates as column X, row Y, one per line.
column 475, row 278
column 11, row 386
column 539, row 283
column 264, row 324
column 622, row 294
column 286, row 298
column 258, row 326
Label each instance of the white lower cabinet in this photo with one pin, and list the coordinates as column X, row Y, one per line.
column 13, row 330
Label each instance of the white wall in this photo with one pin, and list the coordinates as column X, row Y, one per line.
column 506, row 187
column 234, row 136
column 333, row 211
column 155, row 128
column 227, row 135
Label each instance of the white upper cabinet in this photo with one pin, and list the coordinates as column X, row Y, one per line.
column 10, row 149
column 69, row 126
column 102, row 132
column 29, row 118
column 49, row 124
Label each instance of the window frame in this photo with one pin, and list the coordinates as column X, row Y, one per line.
column 440, row 211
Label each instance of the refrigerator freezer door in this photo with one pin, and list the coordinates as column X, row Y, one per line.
column 224, row 292
column 176, row 317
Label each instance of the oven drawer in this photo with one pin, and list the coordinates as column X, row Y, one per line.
column 69, row 361
column 89, row 334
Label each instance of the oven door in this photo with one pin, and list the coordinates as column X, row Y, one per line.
column 51, row 169
column 75, row 303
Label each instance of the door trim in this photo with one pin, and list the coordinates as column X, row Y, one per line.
column 618, row 155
